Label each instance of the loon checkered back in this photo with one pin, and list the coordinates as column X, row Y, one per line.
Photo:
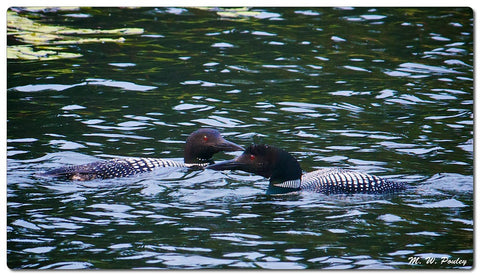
column 285, row 174
column 336, row 181
column 113, row 168
column 201, row 145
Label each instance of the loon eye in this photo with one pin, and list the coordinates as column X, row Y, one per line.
column 205, row 138
column 252, row 157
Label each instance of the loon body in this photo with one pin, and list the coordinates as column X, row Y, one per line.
column 200, row 146
column 286, row 176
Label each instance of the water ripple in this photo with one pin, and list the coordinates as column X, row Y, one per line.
column 95, row 82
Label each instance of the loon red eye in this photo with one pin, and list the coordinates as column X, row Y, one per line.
column 252, row 157
column 205, row 138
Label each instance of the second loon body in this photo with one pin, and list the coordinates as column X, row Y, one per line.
column 200, row 146
column 286, row 175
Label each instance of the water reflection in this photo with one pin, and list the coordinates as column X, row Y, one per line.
column 100, row 82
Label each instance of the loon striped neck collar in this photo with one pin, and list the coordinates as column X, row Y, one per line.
column 290, row 184
column 200, row 164
column 284, row 187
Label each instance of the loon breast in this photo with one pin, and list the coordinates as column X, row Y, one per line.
column 114, row 168
column 335, row 181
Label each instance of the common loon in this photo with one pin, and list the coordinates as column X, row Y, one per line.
column 200, row 146
column 286, row 175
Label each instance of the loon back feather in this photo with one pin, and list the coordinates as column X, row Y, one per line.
column 111, row 168
column 335, row 181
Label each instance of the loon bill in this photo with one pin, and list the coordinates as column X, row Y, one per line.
column 200, row 146
column 286, row 176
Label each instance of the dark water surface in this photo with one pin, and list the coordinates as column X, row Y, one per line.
column 387, row 91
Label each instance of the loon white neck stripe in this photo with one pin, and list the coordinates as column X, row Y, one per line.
column 292, row 184
column 196, row 164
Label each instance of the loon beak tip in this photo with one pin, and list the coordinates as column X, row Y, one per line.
column 225, row 165
column 229, row 146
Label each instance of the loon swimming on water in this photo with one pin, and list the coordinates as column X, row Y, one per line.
column 200, row 146
column 286, row 175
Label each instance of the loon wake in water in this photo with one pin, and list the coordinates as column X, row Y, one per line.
column 285, row 174
column 200, row 146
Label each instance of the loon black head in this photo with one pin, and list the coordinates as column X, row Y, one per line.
column 203, row 143
column 267, row 161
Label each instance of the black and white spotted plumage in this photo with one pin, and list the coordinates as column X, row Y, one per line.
column 286, row 176
column 200, row 146
column 340, row 181
column 114, row 168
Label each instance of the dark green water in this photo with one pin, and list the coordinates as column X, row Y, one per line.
column 387, row 91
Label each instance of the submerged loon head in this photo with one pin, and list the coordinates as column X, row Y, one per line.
column 267, row 161
column 203, row 143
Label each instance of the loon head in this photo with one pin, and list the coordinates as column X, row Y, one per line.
column 203, row 143
column 270, row 162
